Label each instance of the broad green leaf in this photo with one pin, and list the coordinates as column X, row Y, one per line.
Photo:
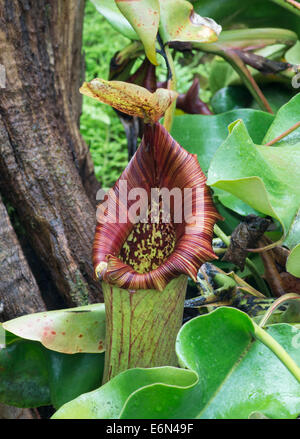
column 72, row 375
column 264, row 177
column 293, row 55
column 287, row 116
column 110, row 11
column 253, row 13
column 292, row 264
column 33, row 376
column 276, row 94
column 24, row 380
column 109, row 400
column 179, row 22
column 222, row 74
column 202, row 135
column 72, row 330
column 143, row 15
column 230, row 98
column 236, row 377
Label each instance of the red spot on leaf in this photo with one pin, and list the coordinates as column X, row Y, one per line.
column 80, row 335
column 63, row 333
column 53, row 332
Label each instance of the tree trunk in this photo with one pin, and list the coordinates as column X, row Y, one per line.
column 19, row 293
column 43, row 160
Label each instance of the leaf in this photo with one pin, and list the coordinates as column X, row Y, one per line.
column 276, row 94
column 130, row 98
column 287, row 116
column 72, row 330
column 24, row 375
column 293, row 55
column 72, row 375
column 179, row 22
column 266, row 178
column 202, row 135
column 236, row 377
column 33, row 376
column 143, row 15
column 230, row 98
column 108, row 401
column 111, row 12
column 252, row 13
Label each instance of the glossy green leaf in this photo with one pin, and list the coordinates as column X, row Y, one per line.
column 72, row 330
column 24, row 380
column 293, row 54
column 236, row 377
column 72, row 375
column 287, row 116
column 264, row 177
column 276, row 94
column 253, row 13
column 33, row 376
column 230, row 98
column 222, row 75
column 202, row 135
column 143, row 15
column 110, row 11
column 108, row 402
column 179, row 22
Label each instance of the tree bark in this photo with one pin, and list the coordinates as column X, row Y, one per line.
column 19, row 293
column 66, row 33
column 42, row 155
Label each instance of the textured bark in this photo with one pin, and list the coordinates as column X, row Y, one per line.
column 41, row 150
column 19, row 293
column 66, row 35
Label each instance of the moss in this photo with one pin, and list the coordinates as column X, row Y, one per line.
column 79, row 290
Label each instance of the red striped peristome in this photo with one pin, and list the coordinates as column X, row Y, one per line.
column 159, row 162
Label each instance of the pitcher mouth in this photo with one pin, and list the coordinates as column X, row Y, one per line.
column 147, row 254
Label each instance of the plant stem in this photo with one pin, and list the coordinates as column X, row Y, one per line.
column 169, row 114
column 284, row 134
column 278, row 350
column 246, row 39
column 244, row 73
column 142, row 326
column 276, row 304
column 222, row 235
column 271, row 273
